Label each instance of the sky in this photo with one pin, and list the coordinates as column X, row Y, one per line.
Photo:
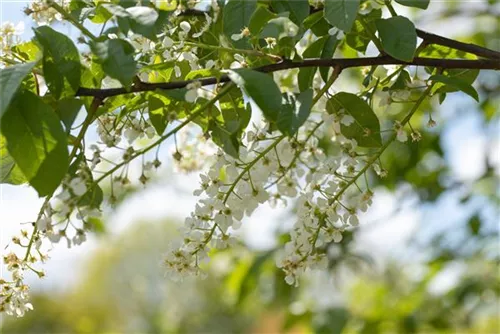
column 465, row 143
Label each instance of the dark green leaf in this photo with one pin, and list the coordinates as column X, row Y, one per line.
column 306, row 74
column 235, row 113
column 398, row 36
column 402, row 81
column 67, row 109
column 259, row 19
column 474, row 224
column 261, row 88
column 456, row 83
column 236, row 17
column 61, row 61
column 298, row 9
column 117, row 59
column 295, row 112
column 359, row 37
column 422, row 4
column 93, row 197
column 317, row 23
column 341, row 13
column 10, row 80
column 279, row 28
column 9, row 171
column 366, row 127
column 142, row 21
column 328, row 50
column 226, row 140
column 36, row 141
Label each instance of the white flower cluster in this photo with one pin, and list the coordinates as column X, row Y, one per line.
column 10, row 36
column 42, row 13
column 272, row 170
column 133, row 126
column 192, row 151
column 14, row 298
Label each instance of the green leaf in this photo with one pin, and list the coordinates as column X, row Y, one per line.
column 401, row 81
column 328, row 50
column 140, row 19
column 279, row 28
column 306, row 74
column 236, row 16
column 295, row 112
column 67, row 109
column 456, row 83
column 366, row 127
column 235, row 113
column 341, row 13
column 259, row 19
column 422, row 4
column 117, row 59
column 10, row 80
column 298, row 9
column 9, row 171
column 317, row 23
column 93, row 197
column 226, row 140
column 359, row 37
column 61, row 62
column 36, row 141
column 398, row 36
column 261, row 88
column 158, row 114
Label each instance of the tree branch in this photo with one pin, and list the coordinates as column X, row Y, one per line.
column 451, row 43
column 342, row 63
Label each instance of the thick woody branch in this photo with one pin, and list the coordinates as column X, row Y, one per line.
column 342, row 63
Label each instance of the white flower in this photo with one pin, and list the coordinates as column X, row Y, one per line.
column 245, row 32
column 78, row 186
column 336, row 32
column 185, row 26
column 347, row 120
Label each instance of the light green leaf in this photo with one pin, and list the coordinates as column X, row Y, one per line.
column 295, row 112
column 236, row 16
column 117, row 59
column 398, row 36
column 36, row 141
column 366, row 127
column 10, row 80
column 456, row 83
column 158, row 114
column 422, row 4
column 61, row 62
column 261, row 88
column 298, row 9
column 341, row 13
column 9, row 171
